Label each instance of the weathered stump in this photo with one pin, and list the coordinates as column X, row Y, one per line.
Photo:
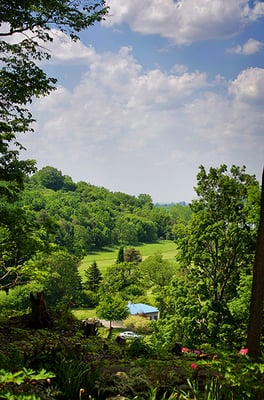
column 39, row 312
column 90, row 327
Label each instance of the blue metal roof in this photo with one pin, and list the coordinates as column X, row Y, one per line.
column 140, row 308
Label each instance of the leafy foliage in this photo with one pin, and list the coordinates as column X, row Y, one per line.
column 58, row 273
column 216, row 251
column 18, row 385
column 220, row 240
column 26, row 27
column 124, row 279
column 112, row 308
column 157, row 271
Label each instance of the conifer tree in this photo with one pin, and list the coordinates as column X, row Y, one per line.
column 93, row 277
column 120, row 255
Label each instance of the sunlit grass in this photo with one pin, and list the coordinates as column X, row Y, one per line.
column 84, row 313
column 107, row 257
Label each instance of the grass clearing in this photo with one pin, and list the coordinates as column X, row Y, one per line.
column 84, row 313
column 106, row 257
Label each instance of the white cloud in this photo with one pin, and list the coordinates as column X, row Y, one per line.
column 185, row 21
column 128, row 126
column 247, row 88
column 116, row 99
column 251, row 46
column 255, row 12
column 65, row 50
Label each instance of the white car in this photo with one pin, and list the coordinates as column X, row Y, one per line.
column 129, row 335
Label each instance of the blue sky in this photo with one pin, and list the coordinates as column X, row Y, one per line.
column 157, row 89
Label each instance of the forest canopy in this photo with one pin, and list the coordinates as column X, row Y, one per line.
column 53, row 213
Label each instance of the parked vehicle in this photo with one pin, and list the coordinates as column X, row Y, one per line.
column 129, row 335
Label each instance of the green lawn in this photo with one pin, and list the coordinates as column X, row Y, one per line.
column 84, row 313
column 105, row 258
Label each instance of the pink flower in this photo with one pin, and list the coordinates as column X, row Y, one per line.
column 184, row 350
column 194, row 366
column 243, row 351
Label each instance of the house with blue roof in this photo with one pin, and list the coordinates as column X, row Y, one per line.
column 143, row 310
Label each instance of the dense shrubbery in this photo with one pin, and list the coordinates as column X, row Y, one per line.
column 138, row 323
column 18, row 298
column 98, row 368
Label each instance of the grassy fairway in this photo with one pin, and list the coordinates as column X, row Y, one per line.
column 107, row 257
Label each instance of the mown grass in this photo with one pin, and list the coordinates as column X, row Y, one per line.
column 107, row 257
column 84, row 313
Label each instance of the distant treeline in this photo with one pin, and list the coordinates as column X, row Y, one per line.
column 82, row 217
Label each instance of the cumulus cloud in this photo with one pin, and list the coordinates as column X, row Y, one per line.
column 117, row 101
column 65, row 50
column 183, row 21
column 247, row 87
column 251, row 46
column 120, row 119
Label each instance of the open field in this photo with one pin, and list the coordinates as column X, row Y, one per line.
column 105, row 258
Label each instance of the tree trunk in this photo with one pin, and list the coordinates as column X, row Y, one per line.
column 257, row 293
column 39, row 317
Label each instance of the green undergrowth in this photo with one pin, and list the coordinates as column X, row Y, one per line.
column 62, row 363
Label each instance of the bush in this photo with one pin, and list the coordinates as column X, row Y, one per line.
column 18, row 298
column 139, row 348
column 138, row 323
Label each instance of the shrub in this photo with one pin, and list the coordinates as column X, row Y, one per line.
column 18, row 298
column 138, row 323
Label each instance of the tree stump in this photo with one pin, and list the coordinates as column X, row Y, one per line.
column 90, row 327
column 39, row 315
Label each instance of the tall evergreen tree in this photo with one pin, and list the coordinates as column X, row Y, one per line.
column 120, row 255
column 93, row 277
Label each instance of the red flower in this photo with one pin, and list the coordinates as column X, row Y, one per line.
column 194, row 366
column 243, row 351
column 184, row 350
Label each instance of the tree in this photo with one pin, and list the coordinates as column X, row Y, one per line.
column 216, row 250
column 145, row 201
column 125, row 230
column 26, row 27
column 162, row 219
column 119, row 278
column 58, row 272
column 21, row 236
column 120, row 255
column 257, row 293
column 131, row 255
column 219, row 241
column 49, row 177
column 158, row 272
column 112, row 308
column 93, row 277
